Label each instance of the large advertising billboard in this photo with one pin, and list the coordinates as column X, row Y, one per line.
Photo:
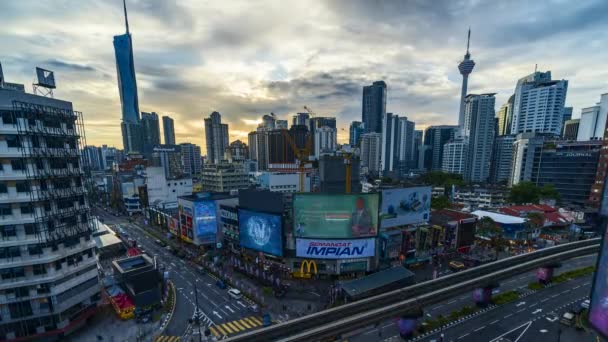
column 335, row 249
column 205, row 221
column 598, row 310
column 405, row 206
column 335, row 216
column 261, row 231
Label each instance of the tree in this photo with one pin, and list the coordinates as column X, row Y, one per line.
column 488, row 227
column 439, row 178
column 549, row 191
column 535, row 220
column 528, row 192
column 440, row 202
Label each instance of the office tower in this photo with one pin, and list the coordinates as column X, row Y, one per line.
column 355, row 130
column 593, row 120
column 281, row 124
column 253, row 145
column 268, row 122
column 567, row 114
column 418, row 143
column 374, row 106
column 150, row 130
column 466, row 68
column 539, row 104
column 397, row 144
column 598, row 198
column 571, row 129
column 92, row 158
column 278, row 148
column 435, row 137
column 191, row 158
column 216, row 136
column 502, row 157
column 325, row 141
column 169, row 157
column 302, row 119
column 238, row 150
column 371, row 148
column 479, row 133
column 454, row 156
column 168, row 130
column 570, row 167
column 49, row 281
column 127, row 88
column 505, row 116
column 318, row 122
column 525, row 147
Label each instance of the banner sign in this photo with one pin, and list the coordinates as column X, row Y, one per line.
column 335, row 249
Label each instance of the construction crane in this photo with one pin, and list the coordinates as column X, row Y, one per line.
column 310, row 111
column 301, row 154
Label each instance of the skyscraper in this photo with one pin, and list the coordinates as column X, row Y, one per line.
column 502, row 157
column 479, row 132
column 539, row 104
column 434, row 138
column 466, row 68
column 454, row 156
column 191, row 158
column 150, row 130
column 325, row 141
column 374, row 106
column 355, row 131
column 418, row 143
column 370, row 152
column 168, row 130
column 571, row 129
column 505, row 116
column 216, row 136
column 397, row 144
column 593, row 120
column 302, row 119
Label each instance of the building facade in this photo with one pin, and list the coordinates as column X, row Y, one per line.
column 355, row 130
column 150, row 130
column 168, row 130
column 371, row 148
column 505, row 117
column 397, row 144
column 524, row 149
column 593, row 121
column 479, row 132
column 374, row 106
column 571, row 129
column 48, row 265
column 191, row 158
column 238, row 150
column 435, row 137
column 502, row 157
column 224, row 177
column 454, row 157
column 216, row 136
column 539, row 104
column 326, row 141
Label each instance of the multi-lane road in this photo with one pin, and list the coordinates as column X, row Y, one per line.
column 493, row 321
column 223, row 315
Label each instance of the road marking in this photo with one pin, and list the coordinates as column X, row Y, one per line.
column 509, row 315
column 229, row 308
column 480, row 328
column 576, row 287
column 543, row 330
column 246, row 325
column 531, row 305
column 520, row 310
column 587, row 283
column 371, row 331
column 217, row 314
column 463, row 336
column 544, row 300
column 555, row 295
column 437, row 307
column 241, row 304
column 386, row 326
column 537, row 311
column 520, row 304
column 496, row 321
column 451, row 302
column 566, row 291
column 527, row 325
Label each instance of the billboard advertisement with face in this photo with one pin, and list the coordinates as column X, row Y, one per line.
column 405, row 206
column 205, row 225
column 335, row 249
column 336, row 216
column 261, row 231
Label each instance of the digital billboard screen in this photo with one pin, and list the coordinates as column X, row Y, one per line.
column 335, row 249
column 598, row 309
column 335, row 216
column 205, row 221
column 261, row 231
column 405, row 206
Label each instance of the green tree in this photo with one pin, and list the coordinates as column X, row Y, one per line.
column 439, row 178
column 535, row 220
column 524, row 192
column 440, row 202
column 488, row 227
column 549, row 191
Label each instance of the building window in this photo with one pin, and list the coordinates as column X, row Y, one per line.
column 17, row 164
column 13, row 141
column 3, row 188
column 8, row 118
column 39, row 269
column 34, row 249
column 22, row 187
column 27, row 209
column 6, row 210
column 30, row 228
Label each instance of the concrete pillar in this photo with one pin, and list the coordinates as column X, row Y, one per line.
column 482, row 296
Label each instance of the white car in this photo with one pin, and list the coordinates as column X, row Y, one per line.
column 585, row 304
column 234, row 293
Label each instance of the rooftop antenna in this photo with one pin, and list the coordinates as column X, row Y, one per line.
column 535, row 67
column 468, row 40
column 124, row 4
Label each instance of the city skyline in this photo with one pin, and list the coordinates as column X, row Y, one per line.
column 258, row 67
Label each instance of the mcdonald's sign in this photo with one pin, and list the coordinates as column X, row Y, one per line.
column 308, row 264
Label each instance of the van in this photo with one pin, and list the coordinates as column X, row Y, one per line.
column 567, row 318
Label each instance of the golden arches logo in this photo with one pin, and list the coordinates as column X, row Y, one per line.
column 308, row 264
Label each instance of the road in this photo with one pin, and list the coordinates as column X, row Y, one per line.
column 224, row 315
column 389, row 328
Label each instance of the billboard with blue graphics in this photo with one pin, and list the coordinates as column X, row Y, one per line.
column 205, row 221
column 405, row 206
column 335, row 249
column 261, row 231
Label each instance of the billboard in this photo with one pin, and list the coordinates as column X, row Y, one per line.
column 335, row 216
column 261, row 200
column 465, row 236
column 598, row 309
column 335, row 249
column 261, row 231
column 205, row 221
column 46, row 78
column 405, row 206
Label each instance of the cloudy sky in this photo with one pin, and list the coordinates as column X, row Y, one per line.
column 249, row 58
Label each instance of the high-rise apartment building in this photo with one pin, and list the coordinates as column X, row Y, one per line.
column 593, row 120
column 371, row 149
column 598, row 198
column 435, row 137
column 169, row 157
column 525, row 147
column 502, row 157
column 479, row 133
column 355, row 130
column 216, row 136
column 567, row 113
column 374, row 106
column 281, row 124
column 505, row 117
column 238, row 150
column 191, row 158
column 48, row 268
column 571, row 129
column 301, row 119
column 168, row 130
column 92, row 158
column 397, row 144
column 418, row 143
column 539, row 104
column 454, row 156
column 466, row 68
column 325, row 141
column 150, row 130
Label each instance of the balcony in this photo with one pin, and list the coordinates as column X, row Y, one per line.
column 47, row 256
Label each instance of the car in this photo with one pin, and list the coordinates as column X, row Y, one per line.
column 585, row 304
column 567, row 318
column 234, row 293
column 456, row 265
column 254, row 308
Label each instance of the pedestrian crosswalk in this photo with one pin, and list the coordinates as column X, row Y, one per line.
column 229, row 328
column 166, row 339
